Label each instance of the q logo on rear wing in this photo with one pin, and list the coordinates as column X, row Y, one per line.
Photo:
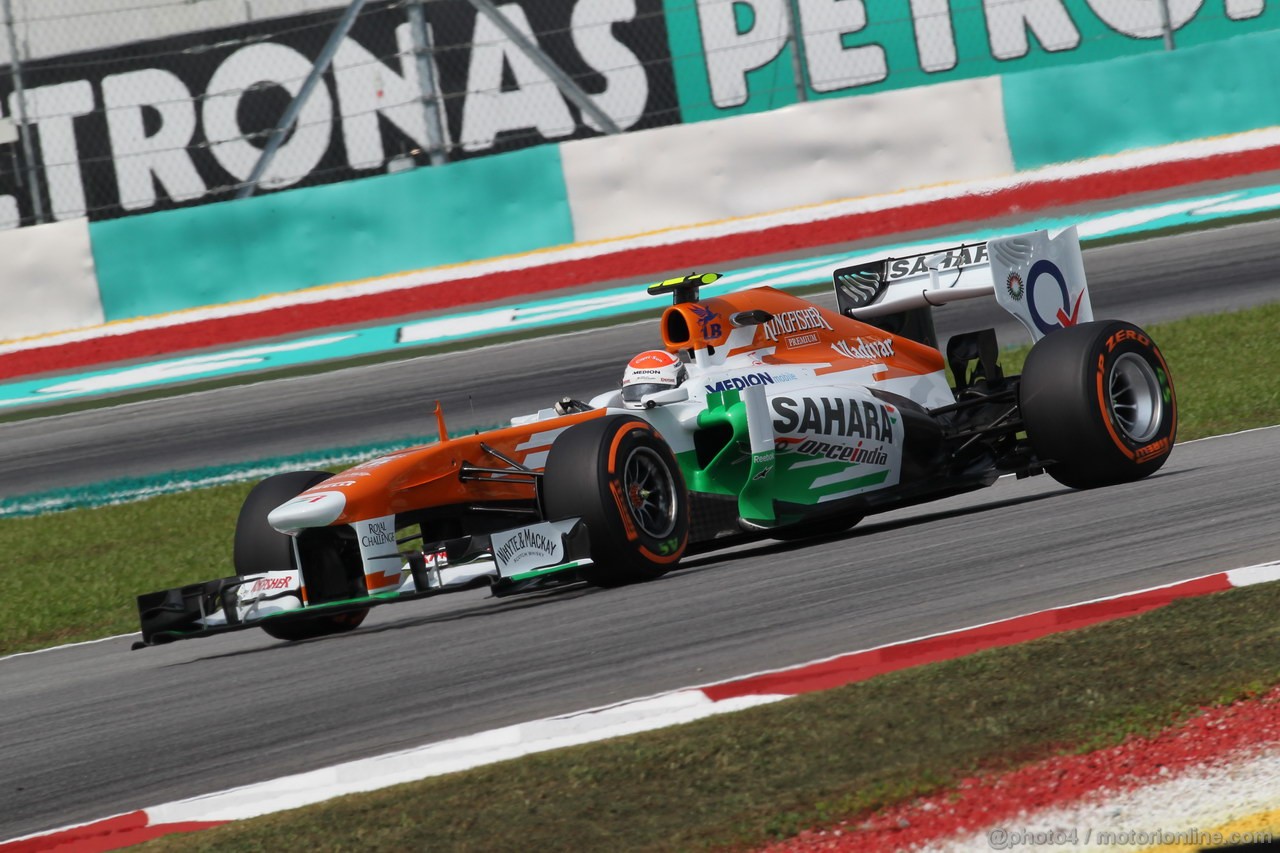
column 1041, row 281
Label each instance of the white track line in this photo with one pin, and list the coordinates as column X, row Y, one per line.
column 623, row 718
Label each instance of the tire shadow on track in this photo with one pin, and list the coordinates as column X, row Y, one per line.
column 489, row 607
column 773, row 547
column 484, row 608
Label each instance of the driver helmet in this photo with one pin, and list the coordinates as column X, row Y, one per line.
column 650, row 371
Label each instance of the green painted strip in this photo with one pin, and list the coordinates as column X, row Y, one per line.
column 1143, row 101
column 286, row 241
column 375, row 599
column 856, row 483
column 129, row 489
column 549, row 570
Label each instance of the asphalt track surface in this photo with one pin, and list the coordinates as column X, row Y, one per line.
column 93, row 730
column 1144, row 282
column 98, row 729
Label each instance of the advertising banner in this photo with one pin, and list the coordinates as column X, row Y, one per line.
column 736, row 56
column 181, row 120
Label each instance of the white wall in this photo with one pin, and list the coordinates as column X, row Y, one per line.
column 803, row 154
column 47, row 280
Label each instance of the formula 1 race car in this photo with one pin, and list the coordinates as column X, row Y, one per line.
column 764, row 416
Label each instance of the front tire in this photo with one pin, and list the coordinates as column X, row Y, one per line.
column 1098, row 401
column 619, row 476
column 259, row 547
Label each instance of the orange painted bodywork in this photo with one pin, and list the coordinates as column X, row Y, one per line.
column 427, row 475
column 693, row 326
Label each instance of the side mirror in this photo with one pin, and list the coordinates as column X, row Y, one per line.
column 662, row 398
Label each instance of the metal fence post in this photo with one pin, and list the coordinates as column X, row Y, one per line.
column 1166, row 24
column 299, row 101
column 571, row 89
column 434, row 115
column 24, row 127
column 796, row 37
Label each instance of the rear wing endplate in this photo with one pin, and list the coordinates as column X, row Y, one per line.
column 1035, row 277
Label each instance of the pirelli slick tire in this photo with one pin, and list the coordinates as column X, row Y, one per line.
column 260, row 548
column 619, row 476
column 1098, row 404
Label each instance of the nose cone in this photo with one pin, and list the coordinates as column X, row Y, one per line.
column 313, row 509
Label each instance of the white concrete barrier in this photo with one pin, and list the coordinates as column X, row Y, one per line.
column 47, row 280
column 810, row 153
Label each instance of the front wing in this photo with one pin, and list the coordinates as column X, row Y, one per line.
column 508, row 562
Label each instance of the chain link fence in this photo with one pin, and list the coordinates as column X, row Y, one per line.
column 112, row 107
column 841, row 47
column 141, row 105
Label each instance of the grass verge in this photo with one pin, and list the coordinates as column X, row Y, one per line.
column 1222, row 369
column 1223, row 365
column 754, row 776
column 73, row 575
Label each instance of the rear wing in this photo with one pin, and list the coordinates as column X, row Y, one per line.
column 1037, row 278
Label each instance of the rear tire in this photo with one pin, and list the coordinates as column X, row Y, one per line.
column 619, row 476
column 1097, row 399
column 259, row 547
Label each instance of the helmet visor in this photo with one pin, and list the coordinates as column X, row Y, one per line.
column 633, row 393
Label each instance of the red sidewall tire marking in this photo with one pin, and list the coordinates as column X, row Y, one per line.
column 1106, row 409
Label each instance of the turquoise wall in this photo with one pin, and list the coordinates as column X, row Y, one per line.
column 518, row 202
column 284, row 241
column 1061, row 114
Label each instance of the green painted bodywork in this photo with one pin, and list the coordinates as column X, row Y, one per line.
column 727, row 471
column 758, row 480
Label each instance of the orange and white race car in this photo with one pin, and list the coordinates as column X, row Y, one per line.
column 764, row 416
